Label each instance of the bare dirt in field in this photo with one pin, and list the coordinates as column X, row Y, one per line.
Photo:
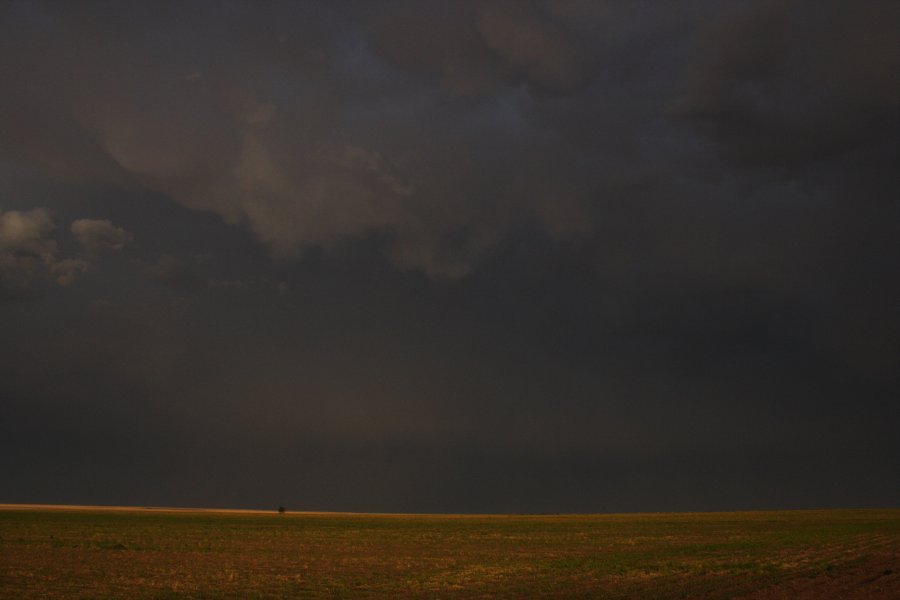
column 877, row 579
column 859, row 568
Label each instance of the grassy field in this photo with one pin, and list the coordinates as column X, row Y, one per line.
column 142, row 553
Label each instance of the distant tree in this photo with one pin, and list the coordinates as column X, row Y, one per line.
column 280, row 510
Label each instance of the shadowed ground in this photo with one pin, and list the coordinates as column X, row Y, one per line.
column 92, row 552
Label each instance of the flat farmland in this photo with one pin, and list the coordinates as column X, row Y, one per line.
column 72, row 552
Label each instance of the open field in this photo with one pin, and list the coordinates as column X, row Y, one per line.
column 58, row 552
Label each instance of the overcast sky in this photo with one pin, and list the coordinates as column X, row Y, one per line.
column 480, row 255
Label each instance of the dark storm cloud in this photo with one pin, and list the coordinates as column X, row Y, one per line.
column 248, row 124
column 788, row 83
column 175, row 272
column 474, row 47
column 300, row 126
column 479, row 255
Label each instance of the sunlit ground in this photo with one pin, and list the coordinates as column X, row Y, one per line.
column 155, row 553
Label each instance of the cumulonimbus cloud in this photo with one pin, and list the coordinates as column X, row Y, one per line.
column 292, row 153
column 437, row 128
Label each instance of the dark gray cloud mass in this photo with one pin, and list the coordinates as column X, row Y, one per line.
column 487, row 255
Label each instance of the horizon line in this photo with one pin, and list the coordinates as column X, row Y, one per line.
column 276, row 512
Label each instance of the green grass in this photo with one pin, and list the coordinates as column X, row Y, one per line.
column 155, row 554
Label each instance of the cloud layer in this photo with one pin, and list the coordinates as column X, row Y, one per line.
column 329, row 128
column 635, row 249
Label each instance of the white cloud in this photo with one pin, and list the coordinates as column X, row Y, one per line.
column 29, row 254
column 27, row 251
column 27, row 233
